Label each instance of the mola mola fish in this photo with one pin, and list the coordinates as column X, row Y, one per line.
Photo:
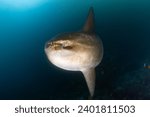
column 77, row 51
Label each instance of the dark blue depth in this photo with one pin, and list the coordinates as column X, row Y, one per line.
column 123, row 26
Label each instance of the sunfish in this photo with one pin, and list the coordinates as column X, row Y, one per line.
column 77, row 51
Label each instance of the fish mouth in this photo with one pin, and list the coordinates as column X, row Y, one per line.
column 48, row 44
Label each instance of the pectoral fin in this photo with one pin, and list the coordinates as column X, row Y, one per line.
column 89, row 75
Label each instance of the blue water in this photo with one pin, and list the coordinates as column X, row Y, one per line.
column 25, row 73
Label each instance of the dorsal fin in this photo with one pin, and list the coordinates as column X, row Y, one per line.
column 89, row 25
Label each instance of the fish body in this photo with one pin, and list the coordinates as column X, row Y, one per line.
column 77, row 51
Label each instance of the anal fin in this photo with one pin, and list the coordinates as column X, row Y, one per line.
column 89, row 75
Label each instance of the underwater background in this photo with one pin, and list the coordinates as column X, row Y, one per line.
column 25, row 72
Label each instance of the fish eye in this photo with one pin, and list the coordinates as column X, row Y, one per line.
column 67, row 47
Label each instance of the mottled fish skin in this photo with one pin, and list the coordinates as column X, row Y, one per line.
column 77, row 51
